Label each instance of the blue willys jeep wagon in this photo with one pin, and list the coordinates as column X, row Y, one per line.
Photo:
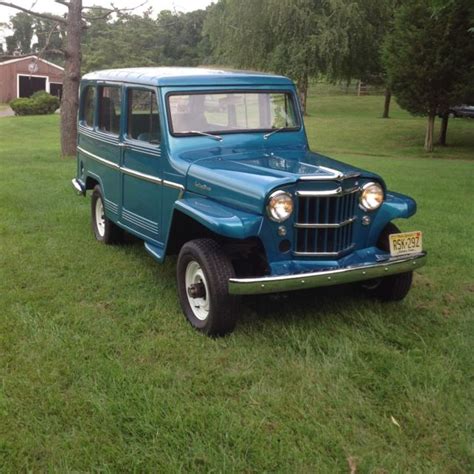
column 214, row 166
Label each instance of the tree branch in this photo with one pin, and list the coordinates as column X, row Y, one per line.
column 48, row 40
column 108, row 11
column 45, row 16
column 114, row 9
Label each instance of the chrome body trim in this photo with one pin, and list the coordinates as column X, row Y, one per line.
column 325, row 226
column 331, row 192
column 130, row 172
column 143, row 222
column 275, row 284
column 105, row 162
column 333, row 175
column 139, row 175
column 324, row 254
column 171, row 184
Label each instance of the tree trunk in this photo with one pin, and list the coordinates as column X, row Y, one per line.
column 429, row 132
column 386, row 106
column 72, row 75
column 303, row 93
column 443, row 130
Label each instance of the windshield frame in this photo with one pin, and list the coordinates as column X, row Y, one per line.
column 289, row 92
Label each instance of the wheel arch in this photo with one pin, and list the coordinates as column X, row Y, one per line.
column 247, row 253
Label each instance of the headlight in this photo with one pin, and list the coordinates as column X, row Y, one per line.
column 371, row 196
column 280, row 206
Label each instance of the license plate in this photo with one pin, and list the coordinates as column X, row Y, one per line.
column 406, row 243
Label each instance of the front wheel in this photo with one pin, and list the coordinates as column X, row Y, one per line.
column 203, row 273
column 393, row 287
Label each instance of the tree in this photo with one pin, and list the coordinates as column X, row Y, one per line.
column 74, row 22
column 171, row 38
column 51, row 38
column 429, row 58
column 20, row 40
column 353, row 44
column 279, row 36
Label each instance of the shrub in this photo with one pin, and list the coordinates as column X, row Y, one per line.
column 40, row 103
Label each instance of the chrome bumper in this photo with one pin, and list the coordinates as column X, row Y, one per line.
column 78, row 187
column 275, row 284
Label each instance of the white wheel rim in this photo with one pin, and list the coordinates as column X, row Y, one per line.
column 194, row 275
column 100, row 217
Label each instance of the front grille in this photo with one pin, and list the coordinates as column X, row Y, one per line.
column 325, row 222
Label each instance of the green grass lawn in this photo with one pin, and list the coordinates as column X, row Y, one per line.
column 99, row 371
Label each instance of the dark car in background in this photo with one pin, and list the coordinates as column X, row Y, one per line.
column 462, row 111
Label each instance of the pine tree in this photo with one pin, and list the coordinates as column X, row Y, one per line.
column 429, row 57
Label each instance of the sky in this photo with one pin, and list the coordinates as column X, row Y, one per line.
column 52, row 7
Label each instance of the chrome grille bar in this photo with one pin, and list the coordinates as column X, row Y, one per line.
column 324, row 222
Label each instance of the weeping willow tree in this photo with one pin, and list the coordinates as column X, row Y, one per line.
column 270, row 35
column 297, row 38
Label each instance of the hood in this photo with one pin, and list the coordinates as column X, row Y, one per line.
column 244, row 180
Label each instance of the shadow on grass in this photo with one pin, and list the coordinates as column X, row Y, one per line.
column 343, row 304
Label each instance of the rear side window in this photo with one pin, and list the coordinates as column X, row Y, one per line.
column 88, row 105
column 109, row 109
column 143, row 118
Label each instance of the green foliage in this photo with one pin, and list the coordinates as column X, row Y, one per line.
column 100, row 371
column 53, row 33
column 430, row 56
column 340, row 39
column 40, row 103
column 22, row 26
column 170, row 39
column 360, row 27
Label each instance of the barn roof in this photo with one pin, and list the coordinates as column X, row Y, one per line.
column 186, row 76
column 25, row 58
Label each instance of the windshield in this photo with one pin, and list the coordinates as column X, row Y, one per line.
column 231, row 112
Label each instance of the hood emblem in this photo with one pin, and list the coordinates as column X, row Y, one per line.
column 202, row 187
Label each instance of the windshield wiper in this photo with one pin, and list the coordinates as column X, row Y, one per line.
column 205, row 134
column 269, row 134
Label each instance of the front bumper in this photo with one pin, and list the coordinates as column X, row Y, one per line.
column 275, row 284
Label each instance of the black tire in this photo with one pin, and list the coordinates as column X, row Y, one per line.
column 393, row 287
column 107, row 232
column 215, row 313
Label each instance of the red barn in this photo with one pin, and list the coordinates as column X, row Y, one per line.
column 21, row 77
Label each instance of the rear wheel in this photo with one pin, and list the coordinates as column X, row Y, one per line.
column 104, row 229
column 203, row 273
column 393, row 287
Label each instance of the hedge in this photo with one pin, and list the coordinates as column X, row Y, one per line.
column 40, row 103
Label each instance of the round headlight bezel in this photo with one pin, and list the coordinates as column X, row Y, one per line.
column 272, row 214
column 363, row 199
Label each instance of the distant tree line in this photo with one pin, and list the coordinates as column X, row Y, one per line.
column 422, row 51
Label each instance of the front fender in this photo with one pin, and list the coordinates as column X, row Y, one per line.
column 395, row 206
column 220, row 219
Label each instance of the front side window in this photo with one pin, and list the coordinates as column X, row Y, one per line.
column 109, row 109
column 232, row 112
column 143, row 118
column 88, row 106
